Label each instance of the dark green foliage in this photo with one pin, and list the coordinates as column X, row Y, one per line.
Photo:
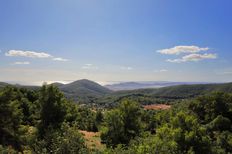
column 45, row 121
column 208, row 107
column 99, row 118
column 215, row 112
column 53, row 108
column 122, row 124
column 223, row 142
column 86, row 119
column 220, row 124
column 10, row 117
column 189, row 135
column 181, row 135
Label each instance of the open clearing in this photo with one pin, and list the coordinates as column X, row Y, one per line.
column 92, row 139
column 157, row 107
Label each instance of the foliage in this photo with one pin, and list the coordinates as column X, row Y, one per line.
column 44, row 121
column 53, row 108
column 122, row 124
column 10, row 117
column 66, row 140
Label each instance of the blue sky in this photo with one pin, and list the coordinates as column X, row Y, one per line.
column 115, row 40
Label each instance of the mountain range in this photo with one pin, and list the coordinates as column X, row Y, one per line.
column 86, row 91
column 147, row 84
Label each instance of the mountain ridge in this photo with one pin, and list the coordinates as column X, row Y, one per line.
column 147, row 84
column 85, row 91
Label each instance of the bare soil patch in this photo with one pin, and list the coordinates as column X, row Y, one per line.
column 157, row 107
column 92, row 139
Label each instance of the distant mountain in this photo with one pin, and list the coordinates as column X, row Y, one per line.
column 169, row 94
column 146, row 84
column 83, row 90
column 86, row 91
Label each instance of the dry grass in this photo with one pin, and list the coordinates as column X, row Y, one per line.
column 157, row 107
column 93, row 140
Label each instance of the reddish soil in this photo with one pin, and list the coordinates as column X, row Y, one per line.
column 89, row 134
column 157, row 107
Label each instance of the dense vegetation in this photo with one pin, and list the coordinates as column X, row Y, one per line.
column 44, row 121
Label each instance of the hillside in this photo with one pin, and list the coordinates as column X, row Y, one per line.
column 84, row 91
column 166, row 94
column 186, row 91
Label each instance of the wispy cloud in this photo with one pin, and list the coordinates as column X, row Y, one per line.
column 21, row 63
column 182, row 49
column 60, row 59
column 89, row 66
column 32, row 54
column 193, row 57
column 126, row 68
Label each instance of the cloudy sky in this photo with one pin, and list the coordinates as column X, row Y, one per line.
column 115, row 40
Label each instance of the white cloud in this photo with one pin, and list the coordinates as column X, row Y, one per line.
column 126, row 68
column 182, row 49
column 60, row 59
column 21, row 63
column 89, row 66
column 32, row 54
column 193, row 57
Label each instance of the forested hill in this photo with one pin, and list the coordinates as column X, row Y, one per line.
column 193, row 90
column 183, row 91
column 84, row 90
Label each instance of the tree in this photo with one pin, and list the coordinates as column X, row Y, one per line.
column 122, row 124
column 182, row 134
column 185, row 131
column 215, row 112
column 208, row 107
column 99, row 117
column 10, row 117
column 53, row 108
column 65, row 141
